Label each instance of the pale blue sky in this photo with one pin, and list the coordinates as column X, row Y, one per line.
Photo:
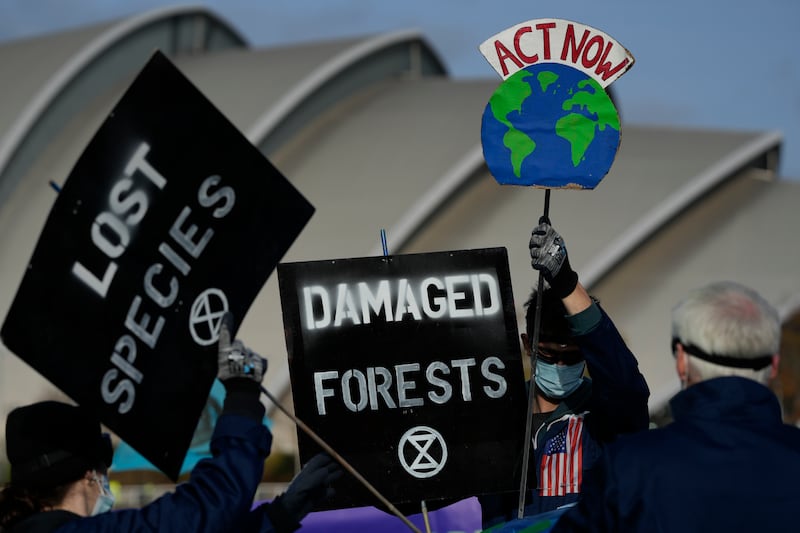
column 727, row 64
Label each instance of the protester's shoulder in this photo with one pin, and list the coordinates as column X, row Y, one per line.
column 43, row 522
column 117, row 521
column 791, row 433
column 647, row 442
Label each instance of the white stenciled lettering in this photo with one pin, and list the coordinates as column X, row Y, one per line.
column 184, row 236
column 319, row 294
column 381, row 299
column 478, row 282
column 175, row 260
column 123, row 386
column 321, row 391
column 408, row 385
column 100, row 286
column 345, row 307
column 463, row 365
column 106, row 226
column 458, row 296
column 226, row 194
column 497, row 379
column 435, row 307
column 133, row 204
column 112, row 232
column 138, row 325
column 139, row 164
column 454, row 296
column 163, row 300
column 354, row 380
column 375, row 388
column 406, row 302
column 447, row 389
column 124, row 356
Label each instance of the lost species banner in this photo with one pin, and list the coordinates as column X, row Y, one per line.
column 169, row 218
column 410, row 367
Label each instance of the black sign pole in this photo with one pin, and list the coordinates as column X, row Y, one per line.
column 341, row 460
column 532, row 387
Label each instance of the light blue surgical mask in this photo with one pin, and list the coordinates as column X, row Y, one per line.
column 105, row 500
column 558, row 381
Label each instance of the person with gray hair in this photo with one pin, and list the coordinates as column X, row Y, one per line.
column 725, row 329
column 727, row 462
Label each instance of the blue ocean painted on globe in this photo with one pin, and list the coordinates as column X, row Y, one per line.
column 550, row 125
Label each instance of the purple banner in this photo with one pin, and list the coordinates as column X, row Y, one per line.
column 461, row 517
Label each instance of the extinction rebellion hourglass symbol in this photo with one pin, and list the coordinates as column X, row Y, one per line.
column 422, row 452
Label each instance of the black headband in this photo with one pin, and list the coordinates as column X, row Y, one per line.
column 755, row 363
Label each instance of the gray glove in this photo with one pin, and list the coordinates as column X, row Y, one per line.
column 234, row 359
column 312, row 485
column 549, row 256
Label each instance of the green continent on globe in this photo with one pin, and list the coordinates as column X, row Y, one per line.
column 550, row 123
column 578, row 129
column 509, row 97
column 546, row 79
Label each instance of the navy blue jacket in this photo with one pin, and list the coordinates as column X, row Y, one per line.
column 726, row 463
column 216, row 498
column 613, row 402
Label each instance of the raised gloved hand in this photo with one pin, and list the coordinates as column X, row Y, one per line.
column 234, row 359
column 312, row 485
column 549, row 256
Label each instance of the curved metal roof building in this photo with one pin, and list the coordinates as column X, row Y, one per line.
column 375, row 134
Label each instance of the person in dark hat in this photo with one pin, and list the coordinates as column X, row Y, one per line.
column 727, row 461
column 574, row 416
column 59, row 459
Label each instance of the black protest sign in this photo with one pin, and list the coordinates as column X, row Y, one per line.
column 409, row 366
column 169, row 218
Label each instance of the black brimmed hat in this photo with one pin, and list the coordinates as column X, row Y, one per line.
column 51, row 443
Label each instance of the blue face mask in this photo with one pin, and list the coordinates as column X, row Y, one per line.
column 105, row 500
column 558, row 381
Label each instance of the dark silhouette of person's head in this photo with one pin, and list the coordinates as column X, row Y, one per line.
column 50, row 443
column 553, row 325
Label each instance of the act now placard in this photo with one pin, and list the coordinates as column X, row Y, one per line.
column 593, row 52
column 551, row 123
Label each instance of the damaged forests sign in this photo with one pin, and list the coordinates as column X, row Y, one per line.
column 169, row 218
column 409, row 366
